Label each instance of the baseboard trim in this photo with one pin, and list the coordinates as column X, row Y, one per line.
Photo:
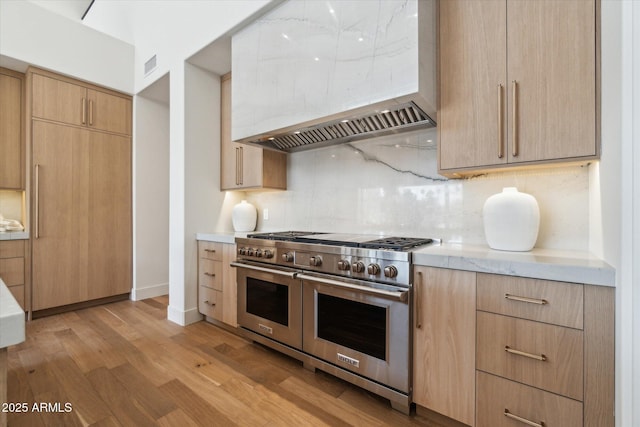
column 183, row 317
column 152, row 291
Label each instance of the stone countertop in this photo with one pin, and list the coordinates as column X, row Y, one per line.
column 12, row 320
column 546, row 264
column 221, row 236
column 14, row 235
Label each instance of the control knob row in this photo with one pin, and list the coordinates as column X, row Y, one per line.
column 260, row 253
column 373, row 269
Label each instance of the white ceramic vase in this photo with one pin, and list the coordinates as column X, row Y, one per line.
column 511, row 220
column 244, row 216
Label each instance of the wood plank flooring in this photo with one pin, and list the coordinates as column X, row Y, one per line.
column 124, row 364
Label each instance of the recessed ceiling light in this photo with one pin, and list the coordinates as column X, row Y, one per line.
column 384, row 111
column 316, row 59
column 344, row 121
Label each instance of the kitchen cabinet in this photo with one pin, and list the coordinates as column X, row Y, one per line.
column 545, row 352
column 444, row 342
column 13, row 271
column 518, row 84
column 68, row 101
column 81, row 198
column 12, row 144
column 217, row 293
column 243, row 167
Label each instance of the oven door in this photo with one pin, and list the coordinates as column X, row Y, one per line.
column 270, row 302
column 357, row 327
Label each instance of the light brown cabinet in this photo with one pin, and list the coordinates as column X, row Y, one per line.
column 243, row 167
column 518, row 81
column 217, row 293
column 63, row 100
column 81, row 209
column 12, row 145
column 444, row 342
column 13, row 271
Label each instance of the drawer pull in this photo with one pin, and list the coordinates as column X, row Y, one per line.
column 525, row 299
column 522, row 420
column 210, row 303
column 210, row 250
column 540, row 357
column 209, row 274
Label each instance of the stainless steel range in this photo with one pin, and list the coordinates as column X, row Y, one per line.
column 338, row 302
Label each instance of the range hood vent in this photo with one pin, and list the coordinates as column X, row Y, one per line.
column 402, row 118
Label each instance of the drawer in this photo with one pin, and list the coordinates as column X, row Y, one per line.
column 558, row 303
column 210, row 302
column 560, row 372
column 210, row 250
column 496, row 397
column 12, row 248
column 18, row 294
column 12, row 271
column 210, row 274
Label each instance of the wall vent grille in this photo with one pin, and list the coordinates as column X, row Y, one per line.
column 150, row 65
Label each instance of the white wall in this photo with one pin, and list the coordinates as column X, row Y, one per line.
column 36, row 36
column 151, row 193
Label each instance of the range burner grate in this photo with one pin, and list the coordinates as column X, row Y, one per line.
column 395, row 243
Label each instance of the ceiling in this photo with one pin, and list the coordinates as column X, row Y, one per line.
column 72, row 9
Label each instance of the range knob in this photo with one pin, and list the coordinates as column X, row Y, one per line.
column 259, row 253
column 315, row 261
column 287, row 257
column 268, row 253
column 358, row 267
column 251, row 252
column 373, row 269
column 343, row 265
column 390, row 271
column 242, row 251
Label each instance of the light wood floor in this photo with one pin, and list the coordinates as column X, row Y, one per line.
column 125, row 364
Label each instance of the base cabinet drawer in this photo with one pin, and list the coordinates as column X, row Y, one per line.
column 210, row 302
column 501, row 402
column 211, row 274
column 538, row 354
column 211, row 250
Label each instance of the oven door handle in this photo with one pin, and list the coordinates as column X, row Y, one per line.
column 289, row 274
column 399, row 296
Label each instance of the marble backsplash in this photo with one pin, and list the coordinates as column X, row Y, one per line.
column 390, row 185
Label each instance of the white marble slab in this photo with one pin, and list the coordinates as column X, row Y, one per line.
column 12, row 320
column 14, row 235
column 220, row 236
column 547, row 264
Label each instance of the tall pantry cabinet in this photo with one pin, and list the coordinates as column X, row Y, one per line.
column 81, row 191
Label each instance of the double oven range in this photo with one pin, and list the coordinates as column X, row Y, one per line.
column 341, row 303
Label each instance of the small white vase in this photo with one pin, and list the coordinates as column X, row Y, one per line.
column 244, row 216
column 511, row 220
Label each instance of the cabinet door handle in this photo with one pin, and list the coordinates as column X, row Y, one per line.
column 500, row 124
column 522, row 420
column 84, row 111
column 90, row 113
column 515, row 119
column 210, row 250
column 540, row 357
column 37, row 200
column 237, row 165
column 416, row 295
column 241, row 166
column 526, row 299
column 209, row 274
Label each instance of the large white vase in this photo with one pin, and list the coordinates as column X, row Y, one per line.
column 511, row 220
column 244, row 216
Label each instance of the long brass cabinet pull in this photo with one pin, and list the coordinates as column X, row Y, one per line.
column 90, row 113
column 37, row 200
column 84, row 111
column 523, row 420
column 526, row 299
column 417, row 291
column 241, row 166
column 500, row 125
column 540, row 357
column 515, row 119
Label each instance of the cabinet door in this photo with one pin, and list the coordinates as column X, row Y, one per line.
column 11, row 145
column 108, row 112
column 229, row 288
column 551, row 51
column 471, row 119
column 60, row 215
column 109, row 212
column 445, row 341
column 58, row 100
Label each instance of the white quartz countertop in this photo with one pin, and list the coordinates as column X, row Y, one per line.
column 546, row 264
column 12, row 321
column 220, row 236
column 14, row 235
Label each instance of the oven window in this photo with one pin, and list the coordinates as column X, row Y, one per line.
column 268, row 300
column 358, row 326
